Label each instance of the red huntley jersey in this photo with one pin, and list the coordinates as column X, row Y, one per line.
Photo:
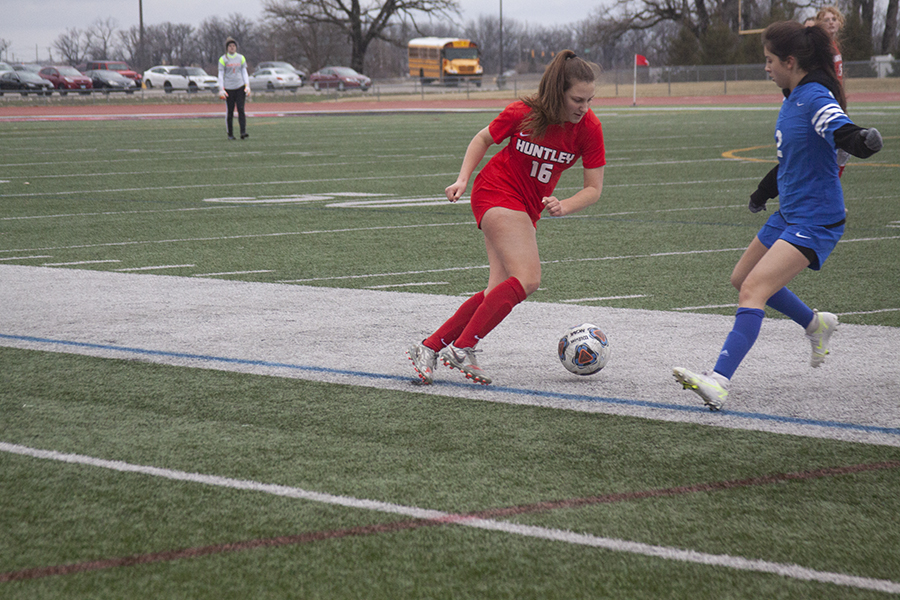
column 527, row 170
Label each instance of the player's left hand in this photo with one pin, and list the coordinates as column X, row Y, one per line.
column 553, row 206
column 873, row 138
column 247, row 90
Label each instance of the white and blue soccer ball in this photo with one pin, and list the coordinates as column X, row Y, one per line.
column 584, row 349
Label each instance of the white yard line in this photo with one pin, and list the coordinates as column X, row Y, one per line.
column 557, row 535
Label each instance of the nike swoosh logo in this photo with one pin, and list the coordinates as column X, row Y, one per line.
column 804, row 237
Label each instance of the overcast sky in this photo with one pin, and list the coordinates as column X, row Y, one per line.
column 33, row 25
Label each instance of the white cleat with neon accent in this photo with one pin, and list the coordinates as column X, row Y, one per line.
column 820, row 338
column 710, row 386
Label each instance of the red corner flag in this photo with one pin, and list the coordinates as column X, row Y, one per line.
column 641, row 61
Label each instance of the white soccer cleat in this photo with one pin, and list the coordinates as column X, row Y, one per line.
column 463, row 360
column 826, row 324
column 710, row 386
column 424, row 361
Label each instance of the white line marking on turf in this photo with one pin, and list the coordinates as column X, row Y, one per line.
column 396, row 285
column 80, row 262
column 232, row 273
column 558, row 535
column 239, row 237
column 118, row 212
column 26, row 257
column 155, row 268
column 706, row 306
column 601, row 298
column 868, row 312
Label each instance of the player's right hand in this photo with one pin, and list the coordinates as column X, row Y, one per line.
column 455, row 191
column 223, row 94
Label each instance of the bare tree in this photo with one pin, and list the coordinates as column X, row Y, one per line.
column 361, row 21
column 299, row 42
column 213, row 32
column 100, row 39
column 889, row 38
column 70, row 46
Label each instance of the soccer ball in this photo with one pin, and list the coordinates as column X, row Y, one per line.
column 584, row 349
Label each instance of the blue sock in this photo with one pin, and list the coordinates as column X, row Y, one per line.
column 787, row 303
column 747, row 323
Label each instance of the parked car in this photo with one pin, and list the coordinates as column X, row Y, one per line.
column 114, row 65
column 65, row 78
column 24, row 82
column 275, row 79
column 197, row 78
column 5, row 67
column 277, row 64
column 161, row 76
column 341, row 78
column 33, row 67
column 111, row 81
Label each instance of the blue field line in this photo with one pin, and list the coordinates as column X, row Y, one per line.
column 500, row 389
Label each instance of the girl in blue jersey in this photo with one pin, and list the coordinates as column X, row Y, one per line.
column 811, row 126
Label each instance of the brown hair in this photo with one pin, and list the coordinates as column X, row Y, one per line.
column 548, row 105
column 810, row 46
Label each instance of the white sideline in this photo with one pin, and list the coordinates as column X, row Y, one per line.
column 616, row 545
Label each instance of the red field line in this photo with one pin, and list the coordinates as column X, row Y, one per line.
column 315, row 536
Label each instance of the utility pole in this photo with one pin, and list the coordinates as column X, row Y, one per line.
column 141, row 64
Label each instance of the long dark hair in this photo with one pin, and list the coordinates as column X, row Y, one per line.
column 548, row 106
column 811, row 47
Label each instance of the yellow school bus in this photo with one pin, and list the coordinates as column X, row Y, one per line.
column 447, row 60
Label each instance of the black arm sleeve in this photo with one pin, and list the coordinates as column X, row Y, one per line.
column 769, row 184
column 768, row 188
column 849, row 137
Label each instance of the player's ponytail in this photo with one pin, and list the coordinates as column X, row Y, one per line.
column 811, row 47
column 548, row 106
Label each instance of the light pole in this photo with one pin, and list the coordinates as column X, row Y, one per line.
column 141, row 64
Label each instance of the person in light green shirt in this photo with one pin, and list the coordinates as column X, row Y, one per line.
column 234, row 86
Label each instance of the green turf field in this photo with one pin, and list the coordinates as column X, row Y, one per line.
column 423, row 496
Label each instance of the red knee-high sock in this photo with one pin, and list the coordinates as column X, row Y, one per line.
column 497, row 304
column 452, row 327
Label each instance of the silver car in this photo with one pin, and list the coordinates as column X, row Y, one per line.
column 275, row 79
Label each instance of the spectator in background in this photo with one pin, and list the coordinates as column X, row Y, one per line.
column 234, row 86
column 831, row 20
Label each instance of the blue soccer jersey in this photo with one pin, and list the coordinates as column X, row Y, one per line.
column 808, row 183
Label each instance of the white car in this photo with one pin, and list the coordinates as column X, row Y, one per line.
column 172, row 78
column 162, row 77
column 275, row 79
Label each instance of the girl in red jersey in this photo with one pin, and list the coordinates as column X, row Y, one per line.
column 831, row 20
column 547, row 133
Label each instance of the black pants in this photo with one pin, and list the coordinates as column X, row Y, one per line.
column 236, row 98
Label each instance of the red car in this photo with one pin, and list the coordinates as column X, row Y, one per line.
column 66, row 78
column 341, row 78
